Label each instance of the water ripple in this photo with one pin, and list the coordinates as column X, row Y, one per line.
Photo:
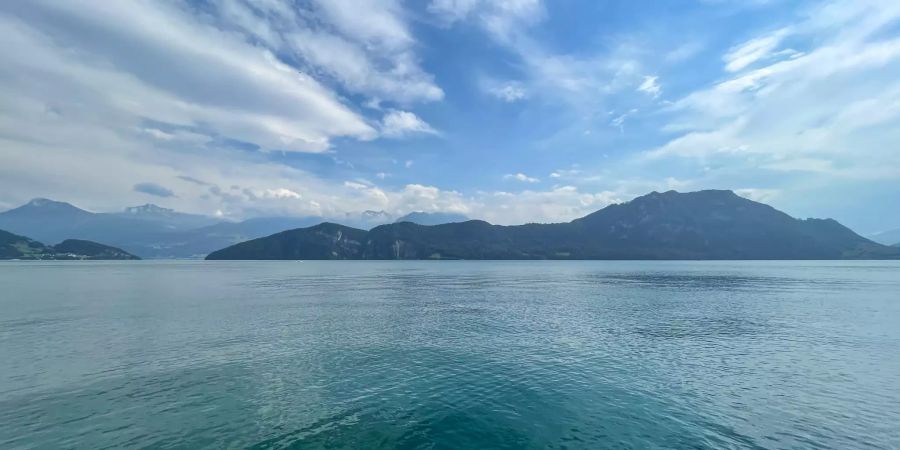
column 450, row 355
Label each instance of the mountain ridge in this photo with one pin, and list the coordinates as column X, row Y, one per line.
column 153, row 231
column 711, row 224
column 13, row 246
column 431, row 218
column 889, row 237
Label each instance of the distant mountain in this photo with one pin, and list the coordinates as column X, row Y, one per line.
column 670, row 225
column 13, row 246
column 149, row 231
column 199, row 242
column 323, row 241
column 889, row 237
column 80, row 249
column 42, row 208
column 52, row 221
column 365, row 220
column 432, row 218
column 167, row 218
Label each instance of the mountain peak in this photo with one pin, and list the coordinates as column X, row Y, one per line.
column 432, row 218
column 41, row 202
column 42, row 206
column 707, row 193
column 712, row 224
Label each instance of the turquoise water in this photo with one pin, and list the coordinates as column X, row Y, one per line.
column 449, row 355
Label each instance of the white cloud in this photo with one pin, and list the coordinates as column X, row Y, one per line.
column 566, row 173
column 280, row 193
column 355, row 185
column 759, row 195
column 833, row 110
column 160, row 91
column 153, row 61
column 397, row 124
column 684, row 52
column 520, row 177
column 363, row 45
column 650, row 86
column 501, row 18
column 560, row 204
column 619, row 120
column 508, row 92
column 754, row 50
column 381, row 74
column 582, row 82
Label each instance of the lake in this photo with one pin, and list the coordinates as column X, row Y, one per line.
column 449, row 354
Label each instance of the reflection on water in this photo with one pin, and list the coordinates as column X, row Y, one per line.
column 449, row 355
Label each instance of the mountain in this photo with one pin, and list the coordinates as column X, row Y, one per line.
column 167, row 218
column 889, row 237
column 151, row 231
column 199, row 242
column 53, row 221
column 80, row 249
column 13, row 246
column 696, row 225
column 365, row 220
column 432, row 218
column 323, row 241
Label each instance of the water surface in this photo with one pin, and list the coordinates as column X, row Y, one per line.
column 449, row 354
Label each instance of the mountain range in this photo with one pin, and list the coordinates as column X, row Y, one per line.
column 890, row 237
column 432, row 218
column 151, row 231
column 13, row 246
column 711, row 224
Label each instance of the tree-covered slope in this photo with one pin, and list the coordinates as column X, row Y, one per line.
column 670, row 225
column 13, row 246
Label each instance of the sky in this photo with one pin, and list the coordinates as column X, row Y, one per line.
column 511, row 111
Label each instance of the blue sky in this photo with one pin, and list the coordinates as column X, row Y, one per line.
column 506, row 110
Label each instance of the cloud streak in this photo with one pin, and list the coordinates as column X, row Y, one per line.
column 153, row 189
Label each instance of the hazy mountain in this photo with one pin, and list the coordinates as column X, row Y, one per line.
column 365, row 220
column 149, row 231
column 432, row 218
column 670, row 225
column 199, row 242
column 13, row 246
column 889, row 237
column 52, row 221
column 46, row 220
column 167, row 218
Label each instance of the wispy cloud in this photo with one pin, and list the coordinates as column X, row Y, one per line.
column 153, row 189
column 754, row 50
column 777, row 116
column 398, row 124
column 509, row 92
column 650, row 86
column 520, row 177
